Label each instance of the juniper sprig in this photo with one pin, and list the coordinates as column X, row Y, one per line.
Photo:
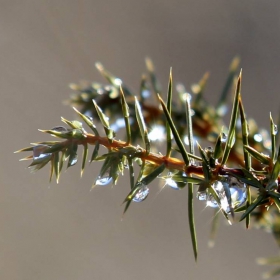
column 237, row 172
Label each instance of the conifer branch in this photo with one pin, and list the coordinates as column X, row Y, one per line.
column 238, row 173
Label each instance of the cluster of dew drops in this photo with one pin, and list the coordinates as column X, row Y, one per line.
column 231, row 192
column 140, row 195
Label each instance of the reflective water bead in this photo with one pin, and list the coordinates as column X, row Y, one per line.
column 211, row 202
column 171, row 183
column 218, row 186
column 141, row 194
column 275, row 128
column 232, row 186
column 238, row 192
column 104, row 180
column 186, row 140
column 38, row 152
column 224, row 204
column 224, row 137
column 117, row 81
column 73, row 161
column 238, row 196
column 201, row 195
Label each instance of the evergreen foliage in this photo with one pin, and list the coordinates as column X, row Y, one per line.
column 237, row 172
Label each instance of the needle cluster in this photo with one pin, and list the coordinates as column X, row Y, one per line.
column 237, row 172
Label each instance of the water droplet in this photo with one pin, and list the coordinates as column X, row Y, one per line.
column 219, row 188
column 230, row 185
column 238, row 196
column 187, row 96
column 224, row 204
column 117, row 82
column 186, row 140
column 275, row 128
column 201, row 195
column 104, row 180
column 38, row 152
column 171, row 183
column 238, row 192
column 73, row 161
column 211, row 202
column 141, row 194
column 224, row 138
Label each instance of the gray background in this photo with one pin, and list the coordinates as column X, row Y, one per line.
column 66, row 231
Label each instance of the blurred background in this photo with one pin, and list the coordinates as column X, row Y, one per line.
column 66, row 231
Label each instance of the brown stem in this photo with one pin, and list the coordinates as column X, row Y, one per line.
column 158, row 159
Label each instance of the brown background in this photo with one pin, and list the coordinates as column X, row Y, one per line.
column 64, row 231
